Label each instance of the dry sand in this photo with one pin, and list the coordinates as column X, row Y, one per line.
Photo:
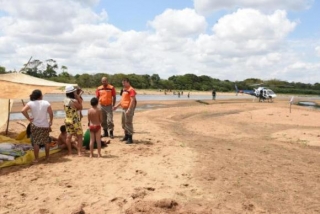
column 188, row 157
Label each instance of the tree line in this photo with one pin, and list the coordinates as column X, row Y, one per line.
column 51, row 71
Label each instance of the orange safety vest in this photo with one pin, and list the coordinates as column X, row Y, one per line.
column 125, row 99
column 105, row 95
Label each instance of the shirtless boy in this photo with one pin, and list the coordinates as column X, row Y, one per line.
column 63, row 137
column 94, row 122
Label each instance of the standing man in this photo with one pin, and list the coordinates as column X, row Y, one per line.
column 106, row 95
column 128, row 103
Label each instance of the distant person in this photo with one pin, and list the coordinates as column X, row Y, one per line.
column 39, row 122
column 179, row 94
column 94, row 122
column 106, row 95
column 261, row 98
column 128, row 103
column 188, row 94
column 213, row 94
column 72, row 104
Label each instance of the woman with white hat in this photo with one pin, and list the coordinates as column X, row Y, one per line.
column 72, row 105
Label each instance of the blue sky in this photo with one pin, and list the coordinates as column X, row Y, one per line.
column 234, row 39
column 134, row 15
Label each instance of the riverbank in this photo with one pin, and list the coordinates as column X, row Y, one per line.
column 234, row 156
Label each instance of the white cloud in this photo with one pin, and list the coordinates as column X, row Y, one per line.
column 246, row 32
column 317, row 49
column 181, row 23
column 208, row 6
column 243, row 44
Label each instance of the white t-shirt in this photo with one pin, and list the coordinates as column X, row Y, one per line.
column 39, row 110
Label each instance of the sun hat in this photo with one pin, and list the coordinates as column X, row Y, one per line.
column 70, row 88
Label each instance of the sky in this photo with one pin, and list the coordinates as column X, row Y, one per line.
column 224, row 39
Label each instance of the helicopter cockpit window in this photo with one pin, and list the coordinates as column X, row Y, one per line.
column 270, row 92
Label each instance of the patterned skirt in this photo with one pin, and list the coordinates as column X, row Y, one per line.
column 39, row 135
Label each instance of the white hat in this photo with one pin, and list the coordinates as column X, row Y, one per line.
column 70, row 88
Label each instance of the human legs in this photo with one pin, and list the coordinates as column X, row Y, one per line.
column 98, row 140
column 36, row 152
column 123, row 122
column 79, row 140
column 127, row 125
column 47, row 149
column 110, row 123
column 68, row 142
column 40, row 136
column 104, row 122
column 92, row 140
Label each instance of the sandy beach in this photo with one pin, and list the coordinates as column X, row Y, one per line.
column 231, row 156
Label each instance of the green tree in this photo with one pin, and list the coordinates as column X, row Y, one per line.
column 51, row 67
column 2, row 70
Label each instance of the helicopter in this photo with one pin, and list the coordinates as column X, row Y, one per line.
column 261, row 92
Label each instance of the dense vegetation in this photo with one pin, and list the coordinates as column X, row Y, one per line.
column 49, row 70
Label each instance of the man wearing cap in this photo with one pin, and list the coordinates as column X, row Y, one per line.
column 106, row 95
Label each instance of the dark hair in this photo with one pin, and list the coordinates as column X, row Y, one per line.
column 94, row 101
column 35, row 95
column 121, row 91
column 70, row 95
column 28, row 131
column 63, row 128
column 126, row 80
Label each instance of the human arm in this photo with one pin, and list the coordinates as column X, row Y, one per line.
column 116, row 106
column 132, row 104
column 50, row 112
column 24, row 111
column 97, row 93
column 89, row 117
column 114, row 96
column 76, row 104
column 100, row 116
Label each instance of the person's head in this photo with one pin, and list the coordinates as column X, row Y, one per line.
column 94, row 101
column 36, row 95
column 126, row 82
column 70, row 91
column 104, row 81
column 63, row 129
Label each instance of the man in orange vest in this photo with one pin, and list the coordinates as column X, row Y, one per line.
column 128, row 103
column 106, row 95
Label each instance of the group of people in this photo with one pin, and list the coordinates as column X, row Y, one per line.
column 41, row 117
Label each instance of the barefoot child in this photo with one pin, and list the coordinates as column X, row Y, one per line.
column 94, row 122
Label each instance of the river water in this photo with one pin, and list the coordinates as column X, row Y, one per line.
column 87, row 98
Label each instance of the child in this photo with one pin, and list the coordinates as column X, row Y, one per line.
column 63, row 137
column 94, row 123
